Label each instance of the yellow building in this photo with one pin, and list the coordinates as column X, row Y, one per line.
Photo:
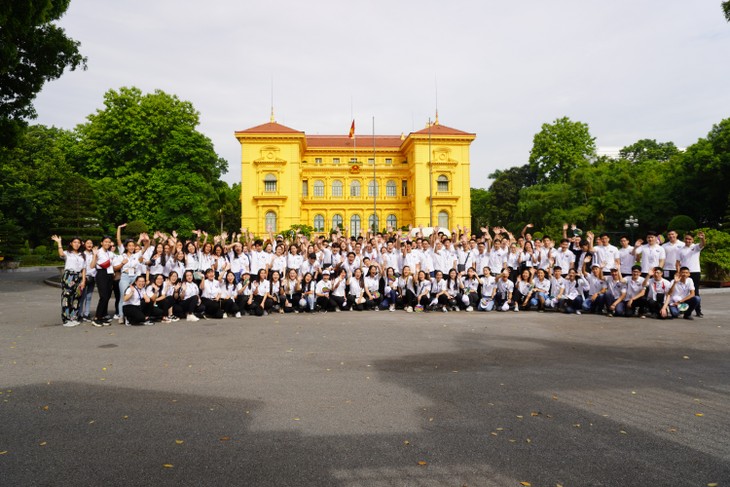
column 288, row 178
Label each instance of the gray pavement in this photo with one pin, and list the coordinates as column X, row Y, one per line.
column 362, row 399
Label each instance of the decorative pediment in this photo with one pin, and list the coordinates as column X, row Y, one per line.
column 270, row 155
column 442, row 155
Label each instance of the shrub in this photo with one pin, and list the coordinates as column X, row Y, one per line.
column 134, row 228
column 40, row 250
column 681, row 223
column 715, row 257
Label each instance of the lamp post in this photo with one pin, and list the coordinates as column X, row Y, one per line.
column 631, row 224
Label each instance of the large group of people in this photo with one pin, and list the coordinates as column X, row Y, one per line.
column 165, row 278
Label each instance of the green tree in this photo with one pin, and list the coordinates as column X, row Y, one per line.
column 481, row 208
column 34, row 182
column 559, row 148
column 227, row 210
column 701, row 177
column 143, row 153
column 649, row 149
column 504, row 195
column 726, row 10
column 33, row 50
column 77, row 215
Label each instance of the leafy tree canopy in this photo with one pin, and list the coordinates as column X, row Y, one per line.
column 145, row 155
column 33, row 50
column 649, row 149
column 559, row 148
column 726, row 9
column 33, row 185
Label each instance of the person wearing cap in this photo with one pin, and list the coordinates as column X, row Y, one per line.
column 322, row 293
column 596, row 288
column 615, row 294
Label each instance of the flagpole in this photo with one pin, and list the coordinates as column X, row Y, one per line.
column 430, row 178
column 375, row 185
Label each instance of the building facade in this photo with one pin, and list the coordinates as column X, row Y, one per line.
column 355, row 183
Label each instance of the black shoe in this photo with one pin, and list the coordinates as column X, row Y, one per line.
column 699, row 314
column 688, row 317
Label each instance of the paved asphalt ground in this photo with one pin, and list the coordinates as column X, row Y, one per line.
column 362, row 399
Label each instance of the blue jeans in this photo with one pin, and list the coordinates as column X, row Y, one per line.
column 124, row 283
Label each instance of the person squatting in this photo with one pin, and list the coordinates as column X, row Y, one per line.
column 166, row 279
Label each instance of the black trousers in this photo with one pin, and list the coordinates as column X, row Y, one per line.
column 104, row 285
column 134, row 314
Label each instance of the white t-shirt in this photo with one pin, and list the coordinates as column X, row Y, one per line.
column 135, row 296
column 211, row 288
column 633, row 287
column 626, row 259
column 75, row 262
column 672, row 251
column 650, row 256
column 689, row 257
column 682, row 289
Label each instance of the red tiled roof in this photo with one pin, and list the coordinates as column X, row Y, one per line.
column 441, row 130
column 364, row 141
column 270, row 128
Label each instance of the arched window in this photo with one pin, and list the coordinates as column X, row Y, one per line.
column 318, row 188
column 337, row 189
column 392, row 221
column 270, row 221
column 337, row 222
column 355, row 189
column 442, row 183
column 355, row 225
column 373, row 223
column 318, row 223
column 372, row 188
column 270, row 183
column 390, row 188
column 443, row 219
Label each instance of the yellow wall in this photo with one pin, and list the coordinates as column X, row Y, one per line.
column 287, row 157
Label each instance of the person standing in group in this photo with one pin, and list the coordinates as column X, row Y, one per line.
column 672, row 247
column 689, row 257
column 87, row 293
column 73, row 280
column 104, row 281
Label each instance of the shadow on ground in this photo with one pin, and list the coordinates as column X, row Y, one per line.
column 497, row 415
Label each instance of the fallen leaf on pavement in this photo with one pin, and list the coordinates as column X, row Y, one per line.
column 422, row 463
column 179, row 442
column 168, row 465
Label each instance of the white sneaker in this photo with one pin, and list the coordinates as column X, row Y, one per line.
column 469, row 309
column 409, row 309
column 116, row 317
column 517, row 308
column 444, row 309
column 121, row 320
column 577, row 312
column 238, row 315
column 225, row 315
column 192, row 317
column 71, row 323
column 391, row 307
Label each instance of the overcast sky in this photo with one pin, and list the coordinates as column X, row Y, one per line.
column 631, row 69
